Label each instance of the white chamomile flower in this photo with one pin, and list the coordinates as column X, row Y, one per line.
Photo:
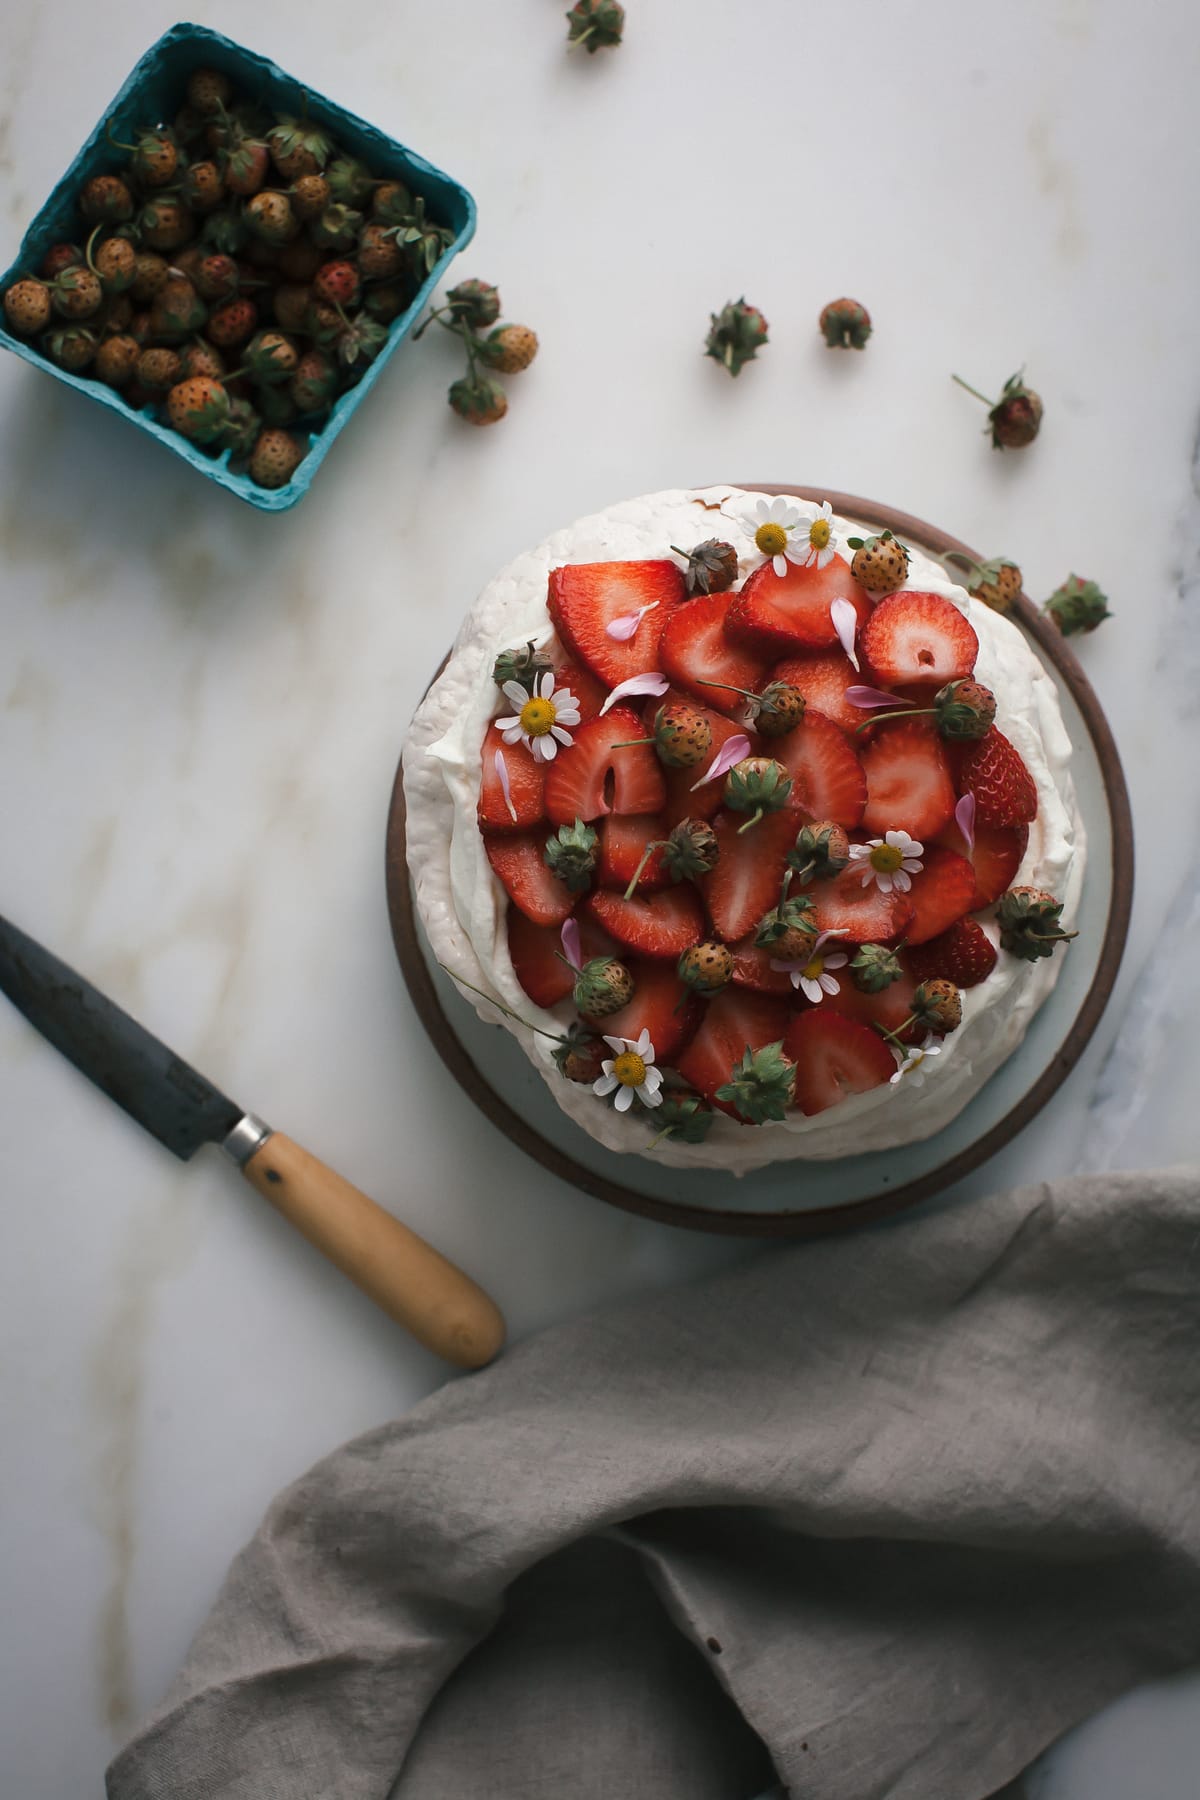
column 541, row 717
column 911, row 1070
column 890, row 861
column 815, row 978
column 629, row 1071
column 777, row 527
column 815, row 548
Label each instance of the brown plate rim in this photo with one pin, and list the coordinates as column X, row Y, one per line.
column 824, row 1220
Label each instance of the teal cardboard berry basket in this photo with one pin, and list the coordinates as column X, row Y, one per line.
column 152, row 94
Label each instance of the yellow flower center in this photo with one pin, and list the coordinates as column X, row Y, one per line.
column 629, row 1069
column 815, row 969
column 537, row 716
column 771, row 539
column 819, row 533
column 886, row 858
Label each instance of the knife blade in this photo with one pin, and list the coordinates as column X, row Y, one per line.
column 417, row 1286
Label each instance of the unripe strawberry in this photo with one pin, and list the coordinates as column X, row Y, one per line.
column 880, row 564
column 706, row 968
column 245, row 167
column 72, row 347
column 937, row 1006
column 209, row 91
column 845, row 324
column 198, row 408
column 474, row 303
column 300, row 260
column 177, row 311
column 275, row 458
column 510, row 348
column 27, row 307
column 392, row 203
column 314, row 382
column 59, row 257
column 202, row 187
column 217, row 277
column 150, row 275
column 106, row 199
column 270, row 358
column 350, row 181
column 117, row 360
column 309, row 196
column 115, row 262
column 158, row 368
column 200, row 358
column 379, row 256
column 478, row 399
column 155, row 159
column 290, row 303
column 736, row 335
column 165, row 225
column 298, row 148
column 77, row 293
column 270, row 217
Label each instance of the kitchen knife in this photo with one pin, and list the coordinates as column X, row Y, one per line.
column 417, row 1287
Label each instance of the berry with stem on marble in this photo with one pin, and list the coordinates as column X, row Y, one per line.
column 736, row 335
column 1077, row 605
column 845, row 324
column 596, row 24
column 1015, row 419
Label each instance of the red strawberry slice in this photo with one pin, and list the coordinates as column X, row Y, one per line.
column 827, row 777
column 998, row 853
column 734, row 1021
column 909, row 786
column 661, row 1005
column 862, row 915
column 940, row 894
column 835, row 1057
column 682, row 803
column 1004, row 790
column 536, row 952
column 584, row 598
column 589, row 777
column 518, row 860
column 748, row 877
column 775, row 615
column 526, row 783
column 891, row 1007
column 663, row 924
column 623, row 842
column 964, row 955
column 752, row 968
column 823, row 679
column 590, row 693
column 918, row 639
column 694, row 650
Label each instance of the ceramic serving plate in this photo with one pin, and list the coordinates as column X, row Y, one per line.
column 798, row 1199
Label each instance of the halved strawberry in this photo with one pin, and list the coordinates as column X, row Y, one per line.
column 834, row 1057
column 823, row 679
column 891, row 1007
column 663, row 924
column 734, row 1021
column 776, row 615
column 1004, row 790
column 749, row 874
column 518, row 860
column 584, row 598
column 590, row 778
column 682, row 802
column 827, row 777
column 862, row 915
column 590, row 693
column 536, row 952
column 964, row 955
column 909, row 787
column 921, row 639
column 526, row 784
column 752, row 968
column 694, row 649
column 940, row 894
column 623, row 841
column 661, row 1005
column 996, row 856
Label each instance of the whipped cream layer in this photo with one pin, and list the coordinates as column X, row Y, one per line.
column 462, row 904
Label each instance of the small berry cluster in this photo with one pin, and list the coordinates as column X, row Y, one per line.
column 470, row 310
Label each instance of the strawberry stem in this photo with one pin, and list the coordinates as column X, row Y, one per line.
column 751, row 821
column 972, row 390
column 901, row 712
column 631, row 743
column 657, row 844
column 114, row 141
column 87, row 249
column 556, row 1037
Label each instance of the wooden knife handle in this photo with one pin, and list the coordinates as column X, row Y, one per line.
column 437, row 1303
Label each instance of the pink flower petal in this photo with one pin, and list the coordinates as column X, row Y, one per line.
column 505, row 789
column 731, row 751
column 867, row 697
column 964, row 816
column 572, row 945
column 649, row 683
column 622, row 629
column 845, row 623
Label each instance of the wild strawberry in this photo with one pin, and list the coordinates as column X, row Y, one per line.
column 686, row 800
column 682, row 736
column 386, row 300
column 695, row 654
column 875, row 967
column 602, row 987
column 276, row 457
column 828, row 779
column 379, row 256
column 1030, row 922
column 834, row 1057
column 595, row 778
column 823, row 677
column 918, row 639
column 710, row 567
column 788, row 930
column 657, row 925
column 537, row 958
column 596, row 24
column 688, row 851
column 822, row 850
column 707, row 967
column 59, row 257
column 1016, row 418
column 757, row 785
column 963, row 954
column 478, row 400
column 749, row 872
column 775, row 711
column 337, row 283
column 314, row 382
column 879, row 564
column 202, row 188
column 337, row 228
column 961, row 710
column 997, row 582
column 154, row 160
column 270, row 358
column 736, row 335
column 391, row 204
column 158, row 368
column 584, row 599
column 150, row 274
column 165, row 225
column 114, row 261
column 350, row 181
column 518, row 862
column 77, row 293
column 232, row 323
column 269, row 215
column 298, row 147
column 1077, row 605
column 510, row 348
column 309, row 195
column 761, row 1086
column 937, row 1006
column 570, row 854
column 290, row 302
column 242, row 429
column 777, row 615
column 209, row 91
column 106, row 199
column 245, row 166
column 27, row 307
column 72, row 347
column 117, row 360
column 198, row 408
column 177, row 311
column 940, row 893
column 845, row 324
column 359, row 342
column 1004, row 789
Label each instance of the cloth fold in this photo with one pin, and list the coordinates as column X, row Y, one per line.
column 883, row 1514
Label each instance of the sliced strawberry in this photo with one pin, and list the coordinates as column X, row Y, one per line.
column 940, row 894
column 827, row 777
column 891, row 1007
column 694, row 650
column 823, row 679
column 834, row 1057
column 526, row 784
column 590, row 778
column 661, row 1005
column 519, row 862
column 776, row 615
column 752, row 969
column 748, row 877
column 536, row 952
column 734, row 1021
column 909, row 787
column 998, row 853
column 862, row 915
column 918, row 639
column 584, row 598
column 682, row 803
column 590, row 693
column 623, row 841
column 1004, row 790
column 964, row 955
column 663, row 924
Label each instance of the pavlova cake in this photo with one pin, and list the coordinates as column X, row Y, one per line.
column 754, row 829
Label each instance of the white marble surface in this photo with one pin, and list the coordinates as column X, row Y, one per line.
column 201, row 708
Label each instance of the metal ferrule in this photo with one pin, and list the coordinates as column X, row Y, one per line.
column 247, row 1136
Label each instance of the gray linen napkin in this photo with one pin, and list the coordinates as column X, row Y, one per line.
column 889, row 1511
